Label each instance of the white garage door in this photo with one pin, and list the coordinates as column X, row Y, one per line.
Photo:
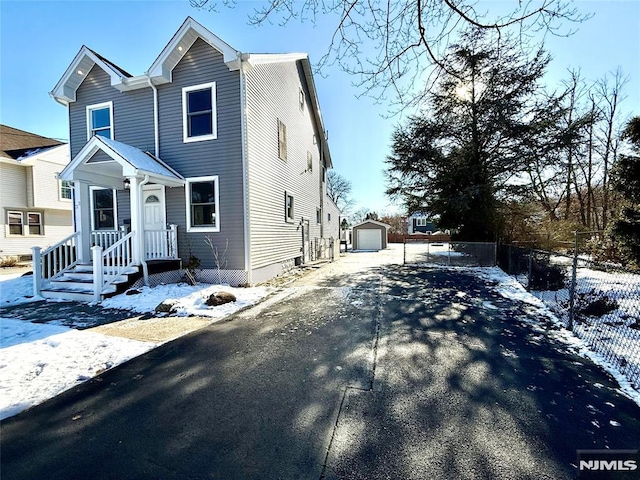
column 369, row 239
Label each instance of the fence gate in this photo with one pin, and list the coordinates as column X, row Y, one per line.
column 462, row 254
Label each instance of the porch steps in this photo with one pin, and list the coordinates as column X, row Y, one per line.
column 77, row 284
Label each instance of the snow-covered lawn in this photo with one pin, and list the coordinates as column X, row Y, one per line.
column 40, row 361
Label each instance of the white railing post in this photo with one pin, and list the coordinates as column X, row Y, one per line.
column 98, row 273
column 37, row 271
column 173, row 241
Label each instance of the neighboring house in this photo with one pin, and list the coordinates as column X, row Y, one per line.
column 418, row 223
column 36, row 206
column 212, row 154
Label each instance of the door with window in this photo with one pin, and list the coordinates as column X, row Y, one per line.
column 306, row 242
column 155, row 222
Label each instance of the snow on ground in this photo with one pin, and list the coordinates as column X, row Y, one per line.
column 509, row 287
column 40, row 361
column 16, row 289
column 190, row 299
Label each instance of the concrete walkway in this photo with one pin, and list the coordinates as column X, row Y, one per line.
column 364, row 369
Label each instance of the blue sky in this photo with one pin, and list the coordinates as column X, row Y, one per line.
column 38, row 40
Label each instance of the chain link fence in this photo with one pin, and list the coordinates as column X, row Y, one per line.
column 462, row 254
column 600, row 302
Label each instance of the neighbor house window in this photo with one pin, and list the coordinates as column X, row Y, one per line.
column 65, row 190
column 421, row 222
column 100, row 120
column 288, row 207
column 282, row 140
column 34, row 220
column 203, row 204
column 15, row 220
column 199, row 112
column 103, row 207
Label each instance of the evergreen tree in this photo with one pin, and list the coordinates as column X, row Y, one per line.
column 626, row 181
column 481, row 126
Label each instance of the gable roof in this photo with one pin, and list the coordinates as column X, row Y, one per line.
column 375, row 222
column 15, row 143
column 134, row 162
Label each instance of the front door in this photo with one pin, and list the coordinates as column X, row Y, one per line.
column 155, row 222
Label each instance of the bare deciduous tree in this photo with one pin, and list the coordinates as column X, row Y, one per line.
column 389, row 45
column 338, row 190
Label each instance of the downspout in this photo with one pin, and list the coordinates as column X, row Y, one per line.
column 245, row 168
column 156, row 135
column 143, row 261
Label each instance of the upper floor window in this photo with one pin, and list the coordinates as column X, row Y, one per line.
column 421, row 222
column 100, row 120
column 301, row 99
column 199, row 112
column 309, row 161
column 203, row 204
column 65, row 190
column 288, row 207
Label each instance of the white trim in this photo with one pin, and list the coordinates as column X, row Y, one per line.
column 287, row 218
column 158, row 187
column 214, row 123
column 216, row 192
column 374, row 222
column 93, row 188
column 99, row 106
column 245, row 172
column 39, row 224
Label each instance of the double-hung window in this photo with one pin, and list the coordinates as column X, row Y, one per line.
column 282, row 141
column 100, row 120
column 288, row 207
column 421, row 222
column 103, row 207
column 203, row 205
column 15, row 220
column 199, row 112
column 34, row 220
column 65, row 190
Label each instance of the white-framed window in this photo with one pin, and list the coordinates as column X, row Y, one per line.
column 199, row 121
column 66, row 189
column 318, row 215
column 16, row 222
column 34, row 223
column 100, row 120
column 203, row 204
column 309, row 161
column 421, row 222
column 104, row 214
column 288, row 207
column 282, row 141
column 301, row 101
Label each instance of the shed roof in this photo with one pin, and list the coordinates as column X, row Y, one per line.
column 374, row 222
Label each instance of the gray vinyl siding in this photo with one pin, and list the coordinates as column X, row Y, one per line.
column 221, row 156
column 273, row 94
column 132, row 112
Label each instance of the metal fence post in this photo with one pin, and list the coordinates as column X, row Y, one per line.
column 530, row 274
column 572, row 290
column 404, row 251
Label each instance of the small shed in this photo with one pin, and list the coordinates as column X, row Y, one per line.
column 370, row 235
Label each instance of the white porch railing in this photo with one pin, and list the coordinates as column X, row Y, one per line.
column 161, row 244
column 115, row 261
column 54, row 260
column 106, row 238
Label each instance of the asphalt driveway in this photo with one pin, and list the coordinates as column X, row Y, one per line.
column 371, row 371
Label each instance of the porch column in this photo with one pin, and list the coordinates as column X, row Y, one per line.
column 82, row 208
column 137, row 220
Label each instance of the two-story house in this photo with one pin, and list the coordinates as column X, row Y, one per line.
column 35, row 205
column 211, row 153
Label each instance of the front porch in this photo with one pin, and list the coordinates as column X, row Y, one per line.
column 120, row 223
column 60, row 273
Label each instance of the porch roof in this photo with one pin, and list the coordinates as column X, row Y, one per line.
column 126, row 161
